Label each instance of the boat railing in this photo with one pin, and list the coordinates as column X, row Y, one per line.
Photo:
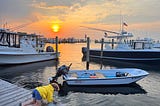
column 142, row 45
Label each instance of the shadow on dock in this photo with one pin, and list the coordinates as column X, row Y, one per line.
column 133, row 88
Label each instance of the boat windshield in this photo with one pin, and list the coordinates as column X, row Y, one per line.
column 9, row 39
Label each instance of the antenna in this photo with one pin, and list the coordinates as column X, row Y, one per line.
column 122, row 25
column 21, row 26
column 101, row 30
column 120, row 21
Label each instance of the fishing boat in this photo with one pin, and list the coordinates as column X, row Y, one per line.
column 120, row 47
column 20, row 48
column 100, row 77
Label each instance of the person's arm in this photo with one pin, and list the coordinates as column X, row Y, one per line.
column 33, row 103
column 50, row 97
column 38, row 103
column 30, row 102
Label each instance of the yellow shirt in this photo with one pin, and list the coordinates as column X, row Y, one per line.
column 46, row 92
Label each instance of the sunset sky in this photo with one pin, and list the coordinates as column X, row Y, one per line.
column 63, row 18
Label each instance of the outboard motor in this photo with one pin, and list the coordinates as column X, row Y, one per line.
column 61, row 71
column 84, row 51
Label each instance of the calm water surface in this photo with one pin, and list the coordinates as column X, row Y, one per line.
column 143, row 93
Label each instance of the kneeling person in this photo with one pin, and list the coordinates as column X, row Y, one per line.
column 44, row 93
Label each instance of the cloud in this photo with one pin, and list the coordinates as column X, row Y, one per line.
column 101, row 11
column 43, row 5
column 49, row 4
column 75, row 12
column 15, row 8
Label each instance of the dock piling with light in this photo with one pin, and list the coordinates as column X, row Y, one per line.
column 102, row 42
column 87, row 54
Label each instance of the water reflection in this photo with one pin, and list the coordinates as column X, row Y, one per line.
column 29, row 74
column 122, row 64
column 116, row 89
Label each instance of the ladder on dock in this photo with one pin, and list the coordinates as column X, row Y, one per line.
column 12, row 95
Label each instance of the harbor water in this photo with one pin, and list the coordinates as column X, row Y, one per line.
column 143, row 93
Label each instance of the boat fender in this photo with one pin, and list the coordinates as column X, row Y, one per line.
column 49, row 49
column 93, row 76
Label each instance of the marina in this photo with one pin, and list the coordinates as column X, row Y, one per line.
column 32, row 75
column 79, row 53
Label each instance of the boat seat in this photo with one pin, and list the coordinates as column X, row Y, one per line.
column 128, row 75
column 122, row 74
column 74, row 75
column 99, row 75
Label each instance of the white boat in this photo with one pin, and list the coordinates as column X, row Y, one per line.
column 120, row 47
column 104, row 77
column 20, row 48
column 101, row 77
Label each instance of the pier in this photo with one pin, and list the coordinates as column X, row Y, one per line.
column 12, row 95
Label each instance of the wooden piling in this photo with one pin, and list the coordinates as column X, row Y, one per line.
column 56, row 47
column 102, row 42
column 112, row 43
column 37, row 39
column 87, row 55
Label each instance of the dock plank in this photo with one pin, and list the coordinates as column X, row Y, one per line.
column 21, row 100
column 6, row 90
column 12, row 95
column 10, row 92
column 15, row 99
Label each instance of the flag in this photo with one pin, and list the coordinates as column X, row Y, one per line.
column 105, row 34
column 85, row 36
column 125, row 24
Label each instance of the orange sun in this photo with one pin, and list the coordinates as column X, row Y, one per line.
column 55, row 27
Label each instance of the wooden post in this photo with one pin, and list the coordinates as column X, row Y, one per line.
column 112, row 43
column 15, row 40
column 19, row 42
column 56, row 47
column 102, row 42
column 37, row 39
column 8, row 39
column 87, row 55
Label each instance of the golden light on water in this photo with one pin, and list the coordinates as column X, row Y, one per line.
column 55, row 27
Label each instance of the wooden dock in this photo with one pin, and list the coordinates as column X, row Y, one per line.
column 12, row 95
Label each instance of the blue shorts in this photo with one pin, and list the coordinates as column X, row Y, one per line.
column 36, row 95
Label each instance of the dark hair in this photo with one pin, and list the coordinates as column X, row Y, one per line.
column 56, row 86
column 54, row 81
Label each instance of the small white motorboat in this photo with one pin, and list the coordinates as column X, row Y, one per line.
column 100, row 77
column 21, row 48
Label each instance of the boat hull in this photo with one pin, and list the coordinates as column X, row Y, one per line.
column 104, row 77
column 9, row 59
column 109, row 81
column 127, row 55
